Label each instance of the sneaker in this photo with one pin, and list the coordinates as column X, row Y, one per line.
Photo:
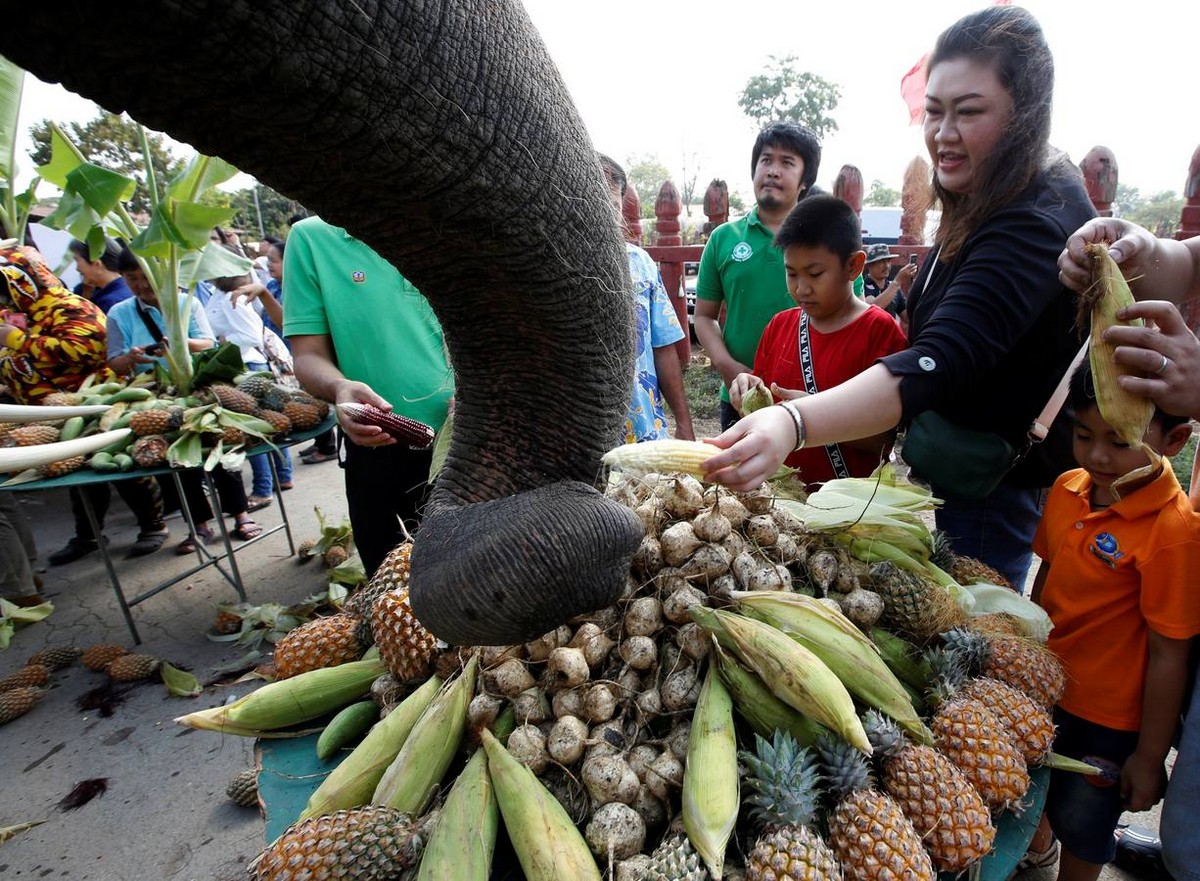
column 1139, row 851
column 72, row 551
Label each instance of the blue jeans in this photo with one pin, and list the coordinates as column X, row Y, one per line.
column 260, row 468
column 997, row 530
column 1177, row 828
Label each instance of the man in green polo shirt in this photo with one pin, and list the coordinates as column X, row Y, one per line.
column 360, row 332
column 741, row 268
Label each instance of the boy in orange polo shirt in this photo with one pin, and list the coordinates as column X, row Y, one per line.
column 1118, row 582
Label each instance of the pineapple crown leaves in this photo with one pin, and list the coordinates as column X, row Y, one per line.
column 783, row 780
column 949, row 668
column 844, row 767
column 884, row 735
column 971, row 648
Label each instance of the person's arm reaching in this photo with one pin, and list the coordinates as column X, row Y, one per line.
column 318, row 373
column 670, row 383
column 1158, row 269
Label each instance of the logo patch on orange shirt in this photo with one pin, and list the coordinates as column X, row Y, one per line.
column 1107, row 549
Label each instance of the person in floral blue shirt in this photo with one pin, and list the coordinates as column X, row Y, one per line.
column 658, row 376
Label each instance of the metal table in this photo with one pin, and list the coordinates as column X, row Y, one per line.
column 204, row 556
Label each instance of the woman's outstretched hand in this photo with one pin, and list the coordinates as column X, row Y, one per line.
column 752, row 449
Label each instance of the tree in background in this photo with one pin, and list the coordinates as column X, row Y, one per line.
column 113, row 141
column 274, row 209
column 647, row 175
column 784, row 92
column 1158, row 213
column 882, row 195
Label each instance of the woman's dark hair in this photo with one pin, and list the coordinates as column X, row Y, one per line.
column 279, row 245
column 1010, row 40
column 126, row 261
column 613, row 172
column 1082, row 397
column 822, row 221
column 108, row 258
column 272, row 240
column 792, row 136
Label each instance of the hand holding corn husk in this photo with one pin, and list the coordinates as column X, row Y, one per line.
column 1127, row 413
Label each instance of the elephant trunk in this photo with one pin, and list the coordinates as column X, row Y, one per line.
column 440, row 134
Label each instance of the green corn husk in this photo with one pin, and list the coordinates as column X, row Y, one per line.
column 410, row 780
column 547, row 843
column 1066, row 763
column 710, row 777
column 796, row 676
column 351, row 783
column 902, row 658
column 759, row 706
column 844, row 648
column 290, row 701
column 463, row 840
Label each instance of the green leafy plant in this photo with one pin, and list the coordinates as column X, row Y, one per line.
column 14, row 206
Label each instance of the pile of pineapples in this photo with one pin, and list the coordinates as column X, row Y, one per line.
column 114, row 426
column 871, row 729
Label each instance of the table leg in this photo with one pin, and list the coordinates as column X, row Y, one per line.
column 108, row 564
column 287, row 526
column 229, row 554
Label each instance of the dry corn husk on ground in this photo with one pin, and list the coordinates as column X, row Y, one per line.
column 603, row 710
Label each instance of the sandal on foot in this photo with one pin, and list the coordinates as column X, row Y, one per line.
column 187, row 546
column 286, row 485
column 148, row 542
column 246, row 530
column 318, row 457
column 255, row 503
column 1039, row 859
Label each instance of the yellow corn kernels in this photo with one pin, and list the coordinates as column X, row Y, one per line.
column 661, row 456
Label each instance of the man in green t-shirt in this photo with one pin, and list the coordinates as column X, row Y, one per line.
column 741, row 269
column 360, row 332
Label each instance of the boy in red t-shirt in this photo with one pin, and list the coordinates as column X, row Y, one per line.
column 831, row 335
column 1118, row 581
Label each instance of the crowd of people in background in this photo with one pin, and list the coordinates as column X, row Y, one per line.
column 972, row 350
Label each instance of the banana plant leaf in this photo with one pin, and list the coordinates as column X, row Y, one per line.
column 220, row 364
column 12, row 82
column 64, row 159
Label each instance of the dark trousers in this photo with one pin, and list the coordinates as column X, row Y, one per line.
column 384, row 485
column 230, row 491
column 728, row 415
column 326, row 443
column 141, row 494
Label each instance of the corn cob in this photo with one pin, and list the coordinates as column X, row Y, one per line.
column 661, row 456
column 409, row 782
column 547, row 843
column 796, row 676
column 758, row 706
column 844, row 648
column 409, row 431
column 1127, row 413
column 710, row 776
column 351, row 784
column 289, row 701
column 461, row 845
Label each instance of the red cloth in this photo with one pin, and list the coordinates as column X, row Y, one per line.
column 837, row 357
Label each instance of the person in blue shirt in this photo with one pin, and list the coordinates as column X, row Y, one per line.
column 101, row 276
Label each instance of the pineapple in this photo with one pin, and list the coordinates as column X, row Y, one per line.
column 227, row 622
column 16, row 702
column 322, row 642
column 26, row 677
column 233, row 399
column 31, row 435
column 944, row 808
column 997, row 622
column 276, row 398
column 1030, row 724
column 56, row 657
column 911, row 603
column 279, row 423
column 232, row 436
column 404, row 644
column 675, row 860
column 392, row 574
column 243, row 788
column 157, row 420
column 868, row 831
column 335, row 556
column 61, row 467
column 302, row 416
column 255, row 384
column 133, row 668
column 150, row 451
column 99, row 656
column 61, row 399
column 975, row 739
column 783, row 781
column 369, row 842
column 964, row 570
column 1023, row 663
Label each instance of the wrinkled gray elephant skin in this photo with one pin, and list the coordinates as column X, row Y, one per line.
column 441, row 134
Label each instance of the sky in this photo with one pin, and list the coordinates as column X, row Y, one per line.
column 661, row 78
